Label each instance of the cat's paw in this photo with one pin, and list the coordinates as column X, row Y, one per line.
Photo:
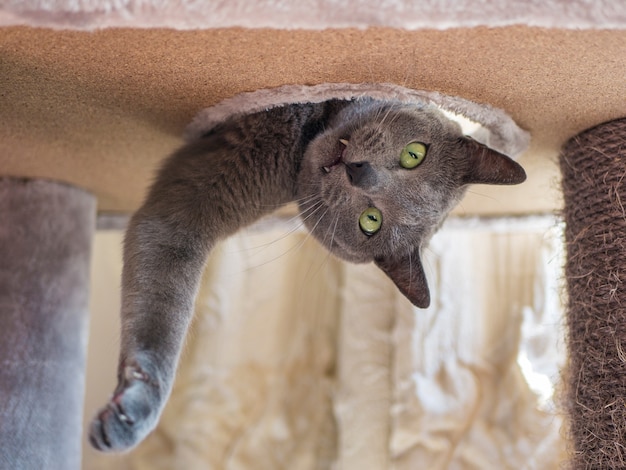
column 130, row 415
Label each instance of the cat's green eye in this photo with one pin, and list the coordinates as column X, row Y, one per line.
column 412, row 155
column 370, row 221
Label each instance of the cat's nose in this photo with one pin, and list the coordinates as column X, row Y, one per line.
column 361, row 174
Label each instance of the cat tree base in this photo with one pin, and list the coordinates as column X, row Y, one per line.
column 46, row 230
column 594, row 168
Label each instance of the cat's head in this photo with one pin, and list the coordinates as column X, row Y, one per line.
column 380, row 180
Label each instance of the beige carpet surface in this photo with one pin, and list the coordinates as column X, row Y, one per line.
column 101, row 109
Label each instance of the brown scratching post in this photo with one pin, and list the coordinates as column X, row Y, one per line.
column 594, row 185
column 46, row 230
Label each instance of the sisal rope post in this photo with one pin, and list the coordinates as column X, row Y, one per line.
column 593, row 166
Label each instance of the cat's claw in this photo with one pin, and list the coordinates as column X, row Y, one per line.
column 130, row 415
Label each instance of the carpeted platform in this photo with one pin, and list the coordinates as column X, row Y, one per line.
column 101, row 107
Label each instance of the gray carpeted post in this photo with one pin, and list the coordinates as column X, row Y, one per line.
column 46, row 231
column 593, row 165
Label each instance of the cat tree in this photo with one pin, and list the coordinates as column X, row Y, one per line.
column 98, row 109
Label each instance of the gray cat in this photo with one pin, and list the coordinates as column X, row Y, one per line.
column 373, row 181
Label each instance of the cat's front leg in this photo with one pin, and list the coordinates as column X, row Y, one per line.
column 163, row 260
column 205, row 192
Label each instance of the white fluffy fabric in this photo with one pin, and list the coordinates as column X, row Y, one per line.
column 312, row 14
column 298, row 361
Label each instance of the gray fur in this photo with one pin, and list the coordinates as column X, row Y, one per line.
column 248, row 167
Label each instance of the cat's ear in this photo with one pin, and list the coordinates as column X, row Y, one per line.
column 408, row 274
column 486, row 166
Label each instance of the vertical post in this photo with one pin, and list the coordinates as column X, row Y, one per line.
column 593, row 166
column 46, row 231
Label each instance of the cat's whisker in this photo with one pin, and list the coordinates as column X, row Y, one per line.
column 328, row 251
column 461, row 207
column 295, row 227
column 318, row 221
column 332, row 234
column 387, row 113
column 310, row 210
column 297, row 246
column 370, row 71
column 393, row 107
column 306, row 212
column 314, row 208
column 410, row 270
column 486, row 196
column 292, row 248
column 409, row 67
column 332, row 238
column 306, row 199
column 309, row 232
